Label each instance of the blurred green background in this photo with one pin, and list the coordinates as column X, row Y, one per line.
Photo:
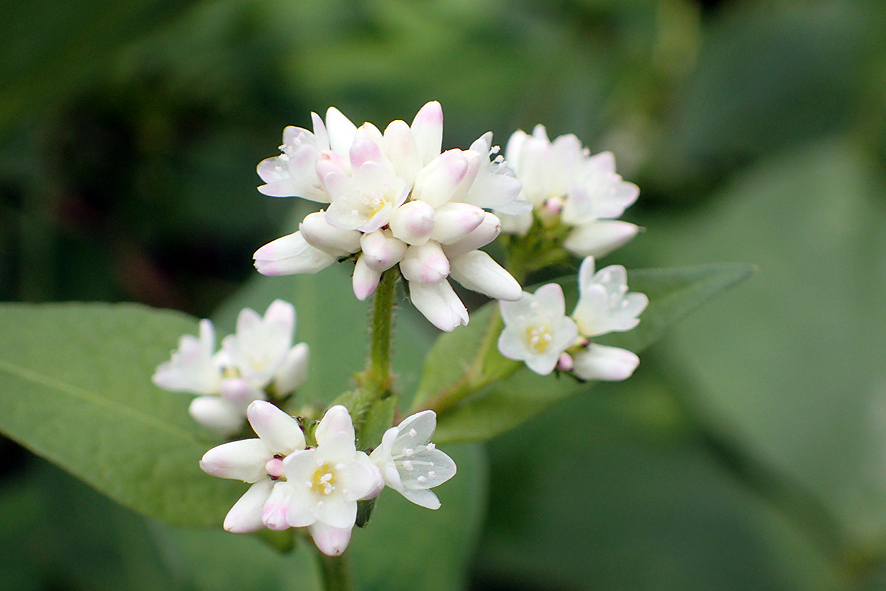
column 749, row 450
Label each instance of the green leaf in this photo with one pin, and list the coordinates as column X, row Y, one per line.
column 499, row 402
column 75, row 387
column 796, row 364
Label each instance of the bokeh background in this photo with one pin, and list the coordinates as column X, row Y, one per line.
column 749, row 450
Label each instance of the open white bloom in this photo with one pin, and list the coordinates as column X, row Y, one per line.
column 565, row 184
column 257, row 461
column 410, row 464
column 325, row 483
column 537, row 329
column 394, row 199
column 256, row 360
column 604, row 303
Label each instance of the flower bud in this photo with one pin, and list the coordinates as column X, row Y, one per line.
column 381, row 250
column 290, row 255
column 413, row 222
column 482, row 235
column 365, row 279
column 609, row 364
column 335, row 241
column 217, row 414
column 426, row 263
column 477, row 271
column 454, row 221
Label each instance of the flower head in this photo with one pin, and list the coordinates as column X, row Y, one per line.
column 410, row 463
column 604, row 304
column 258, row 359
column 537, row 329
column 394, row 199
column 568, row 186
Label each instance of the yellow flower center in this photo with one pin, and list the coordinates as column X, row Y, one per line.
column 323, row 480
column 539, row 337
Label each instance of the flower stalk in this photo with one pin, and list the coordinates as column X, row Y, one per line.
column 335, row 572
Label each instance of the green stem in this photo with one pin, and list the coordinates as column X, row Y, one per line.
column 379, row 378
column 335, row 573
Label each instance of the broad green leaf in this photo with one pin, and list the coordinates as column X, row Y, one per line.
column 796, row 364
column 75, row 387
column 492, row 401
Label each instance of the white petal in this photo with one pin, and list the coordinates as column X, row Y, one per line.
column 437, row 183
column 274, row 512
column 320, row 234
column 290, row 255
column 482, row 235
column 360, row 478
column 246, row 514
column 381, row 250
column 422, row 498
column 477, row 271
column 238, row 460
column 425, row 263
column 336, row 511
column 402, row 149
column 279, row 431
column 365, row 279
column 217, row 414
column 600, row 237
column 294, row 370
column 423, row 423
column 439, row 304
column 336, row 420
column 413, row 222
column 599, row 362
column 427, row 127
column 341, row 131
column 240, row 393
column 454, row 221
column 331, row 541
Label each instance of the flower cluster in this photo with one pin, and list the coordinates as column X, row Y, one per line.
column 567, row 186
column 538, row 332
column 317, row 487
column 259, row 360
column 395, row 200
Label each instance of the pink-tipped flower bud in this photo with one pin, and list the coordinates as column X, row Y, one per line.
column 482, row 235
column 454, row 221
column 381, row 250
column 413, row 222
column 426, row 263
column 365, row 279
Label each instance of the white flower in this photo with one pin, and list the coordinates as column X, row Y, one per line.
column 566, row 185
column 537, row 329
column 324, row 483
column 262, row 347
column 252, row 361
column 394, row 198
column 257, row 461
column 604, row 304
column 409, row 462
column 194, row 366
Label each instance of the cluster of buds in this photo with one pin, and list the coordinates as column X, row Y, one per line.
column 257, row 362
column 317, row 487
column 394, row 199
column 538, row 332
column 569, row 187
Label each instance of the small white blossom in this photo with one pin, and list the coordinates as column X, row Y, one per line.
column 410, row 463
column 257, row 461
column 565, row 184
column 604, row 303
column 258, row 359
column 394, row 199
column 537, row 329
column 324, row 483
